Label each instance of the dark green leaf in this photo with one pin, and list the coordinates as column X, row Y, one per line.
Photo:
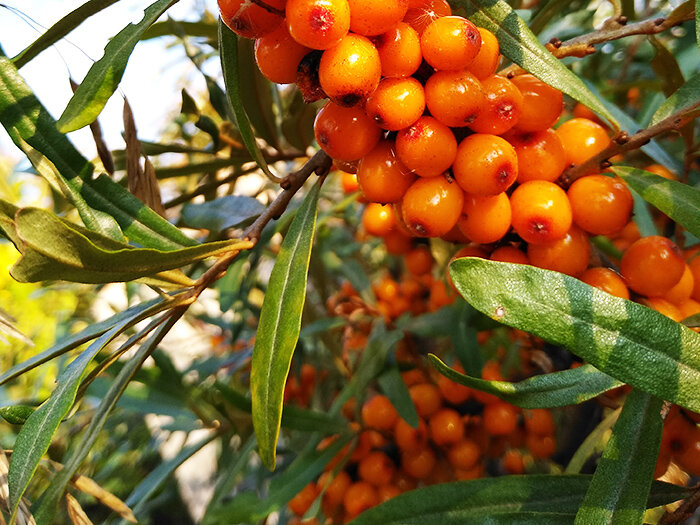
column 679, row 201
column 222, row 213
column 520, row 45
column 395, row 389
column 685, row 100
column 568, row 387
column 279, row 326
column 60, row 29
column 535, row 499
column 297, row 123
column 218, row 99
column 666, row 67
column 228, row 47
column 626, row 340
column 693, row 321
column 203, row 28
column 16, row 414
column 104, row 76
column 52, row 249
column 620, row 487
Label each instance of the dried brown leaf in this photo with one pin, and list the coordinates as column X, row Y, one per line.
column 75, row 512
column 90, row 487
column 102, row 149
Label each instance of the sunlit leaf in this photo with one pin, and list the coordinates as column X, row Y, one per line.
column 685, row 100
column 222, row 213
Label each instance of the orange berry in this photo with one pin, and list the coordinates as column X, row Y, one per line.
column 452, row 392
column 689, row 308
column 688, row 456
column 334, row 487
column 376, row 468
column 307, row 81
column 418, row 463
column 540, row 211
column 303, row 500
column 661, row 171
column 431, row 206
column 584, row 112
column 396, row 103
column 379, row 413
column 502, row 109
column 683, row 289
column 387, row 492
column 318, row 24
column 350, row 71
column 422, row 12
column 440, row 295
column 278, row 55
column 378, row 219
column 426, row 398
column 419, row 261
column 663, row 307
column 368, row 17
column 652, row 266
column 486, row 61
column 397, row 242
column 600, row 205
column 582, row 138
column 446, row 427
column 540, row 154
column 427, row 147
column 513, row 462
column 541, row 447
column 475, row 472
column 607, row 280
column 345, row 133
column 485, row 219
column 509, row 254
column 408, row 438
column 455, row 98
column 250, row 20
column 464, row 454
column 569, row 255
column 542, row 104
column 539, row 421
column 381, row 175
column 694, row 265
column 359, row 497
column 450, row 43
column 500, row 419
column 485, row 164
column 399, row 51
column 348, row 181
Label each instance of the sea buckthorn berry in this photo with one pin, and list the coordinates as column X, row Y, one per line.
column 419, row 261
column 381, row 175
column 348, row 181
column 683, row 289
column 431, row 206
column 694, row 265
column 350, row 71
column 540, row 154
column 387, row 492
column 652, row 266
column 500, row 419
column 399, row 51
column 539, row 421
column 542, row 104
column 427, row 147
column 464, row 454
column 661, row 171
column 318, row 24
column 359, row 497
column 378, row 219
column 278, row 55
column 503, row 106
column 379, row 413
column 541, row 447
column 418, row 463
column 452, row 392
column 540, row 211
column 345, row 133
column 422, row 12
column 334, row 487
column 410, row 439
column 485, row 164
column 688, row 456
column 664, row 307
column 426, row 398
column 513, row 462
column 250, row 20
column 485, row 218
column 455, row 98
column 369, row 17
column 397, row 242
column 446, row 427
column 582, row 138
column 300, row 503
column 450, row 43
column 396, row 103
column 601, row 205
column 509, row 254
column 376, row 468
column 583, row 111
column 607, row 280
column 569, row 255
column 386, row 289
column 486, row 61
column 688, row 308
column 440, row 295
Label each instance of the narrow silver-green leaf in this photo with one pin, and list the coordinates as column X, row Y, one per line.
column 221, row 213
column 279, row 326
column 621, row 483
column 228, row 48
column 557, row 389
column 685, row 100
column 205, row 29
column 526, row 500
column 521, row 46
column 679, row 201
column 104, row 76
column 395, row 389
column 623, row 339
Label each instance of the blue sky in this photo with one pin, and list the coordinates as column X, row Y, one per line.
column 153, row 78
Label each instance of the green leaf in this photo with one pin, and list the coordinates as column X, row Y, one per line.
column 222, row 213
column 279, row 326
column 685, row 100
column 679, row 201
column 395, row 389
column 228, row 47
column 521, row 46
column 593, row 444
column 16, row 414
column 666, row 67
column 52, row 249
column 46, row 512
column 203, row 28
column 623, row 339
column 104, row 76
column 697, row 22
column 620, row 487
column 693, row 321
column 568, row 387
column 535, row 499
column 60, row 29
column 35, row 437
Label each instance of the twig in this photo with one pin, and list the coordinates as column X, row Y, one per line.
column 204, row 188
column 683, row 512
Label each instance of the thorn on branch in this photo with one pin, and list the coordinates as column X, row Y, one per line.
column 621, row 138
column 605, row 164
column 555, row 42
column 659, row 21
column 622, row 20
